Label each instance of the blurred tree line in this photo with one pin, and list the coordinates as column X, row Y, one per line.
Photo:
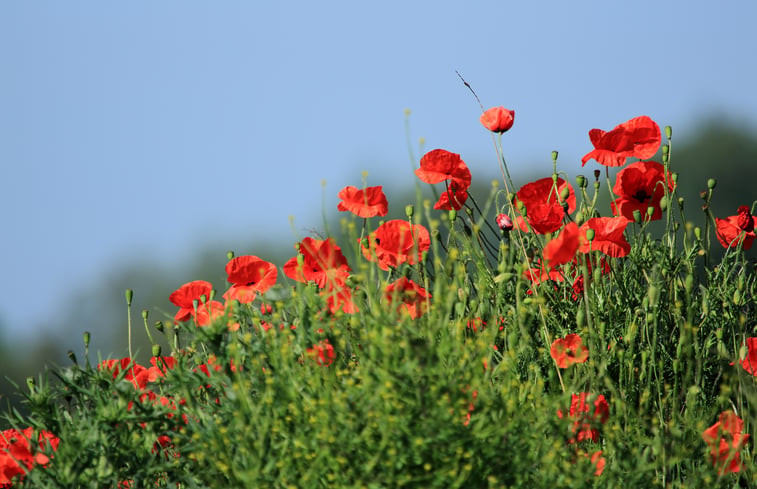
column 725, row 151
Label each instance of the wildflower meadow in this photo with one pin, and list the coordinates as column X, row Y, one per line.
column 564, row 333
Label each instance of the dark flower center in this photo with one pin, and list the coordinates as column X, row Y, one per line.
column 641, row 195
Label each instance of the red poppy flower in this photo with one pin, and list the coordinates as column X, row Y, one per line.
column 640, row 185
column 738, row 229
column 133, row 372
column 541, row 273
column 322, row 353
column 586, row 421
column 568, row 351
column 396, row 242
column 599, row 462
column 322, row 262
column 412, row 297
column 185, row 296
column 368, row 202
column 16, row 454
column 563, row 248
column 339, row 298
column 210, row 311
column 498, row 119
column 750, row 362
column 639, row 137
column 546, row 191
column 439, row 165
column 249, row 275
column 544, row 204
column 725, row 439
column 608, row 236
column 452, row 198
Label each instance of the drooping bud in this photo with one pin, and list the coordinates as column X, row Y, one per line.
column 159, row 326
column 504, row 222
column 565, row 193
column 663, row 205
column 71, row 356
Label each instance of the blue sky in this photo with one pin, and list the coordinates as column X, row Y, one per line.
column 151, row 129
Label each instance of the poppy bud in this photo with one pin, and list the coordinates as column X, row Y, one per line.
column 145, row 313
column 86, row 336
column 663, row 205
column 698, row 232
column 229, row 255
column 156, row 350
column 159, row 326
column 581, row 181
column 71, row 356
column 212, row 294
column 711, row 183
column 674, row 177
column 668, row 132
column 554, row 156
column 565, row 193
column 650, row 209
column 452, row 215
column 636, row 216
column 504, row 222
column 409, row 210
column 597, row 173
column 665, row 150
column 680, row 202
column 129, row 296
column 590, row 234
column 196, row 303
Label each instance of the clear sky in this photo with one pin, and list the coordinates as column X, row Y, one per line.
column 148, row 129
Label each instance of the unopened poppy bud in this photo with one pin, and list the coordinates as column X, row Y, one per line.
column 711, row 183
column 650, row 209
column 698, row 232
column 229, row 255
column 409, row 210
column 301, row 257
column 674, row 177
column 498, row 119
column 597, row 173
column 680, row 202
column 196, row 303
column 565, row 193
column 520, row 205
column 668, row 132
column 663, row 206
column 510, row 196
column 145, row 313
column 452, row 215
column 87, row 336
column 590, row 234
column 159, row 326
column 554, row 156
column 129, row 296
column 212, row 294
column 637, row 216
column 581, row 181
column 156, row 350
column 504, row 222
column 71, row 356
